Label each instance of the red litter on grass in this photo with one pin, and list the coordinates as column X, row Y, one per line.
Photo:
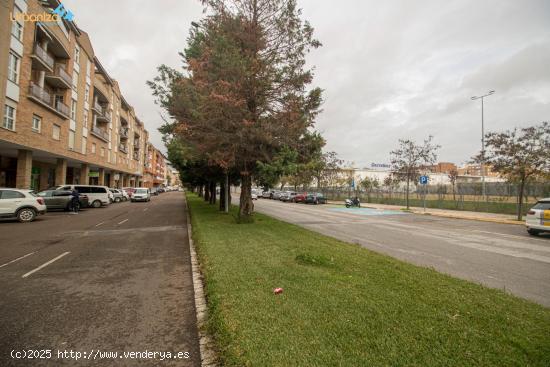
column 278, row 291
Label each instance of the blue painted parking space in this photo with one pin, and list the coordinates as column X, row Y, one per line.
column 368, row 211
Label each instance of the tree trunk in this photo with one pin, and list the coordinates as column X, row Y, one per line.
column 407, row 193
column 200, row 191
column 246, row 206
column 222, row 195
column 227, row 196
column 207, row 192
column 520, row 197
column 213, row 192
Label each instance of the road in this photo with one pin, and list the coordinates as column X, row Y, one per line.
column 497, row 255
column 114, row 279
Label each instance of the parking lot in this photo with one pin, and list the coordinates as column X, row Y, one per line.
column 116, row 278
column 497, row 255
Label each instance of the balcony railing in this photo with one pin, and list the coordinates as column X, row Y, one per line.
column 123, row 148
column 43, row 56
column 100, row 133
column 98, row 108
column 62, row 73
column 123, row 132
column 42, row 96
column 102, row 114
column 136, row 156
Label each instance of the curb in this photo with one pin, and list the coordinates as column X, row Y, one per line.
column 206, row 344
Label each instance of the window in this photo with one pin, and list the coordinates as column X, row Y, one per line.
column 98, row 190
column 85, row 118
column 10, row 194
column 73, row 110
column 102, row 152
column 93, row 148
column 84, row 143
column 83, row 189
column 71, row 139
column 77, row 54
column 16, row 27
column 75, row 80
column 56, row 132
column 87, row 94
column 9, row 118
column 114, row 158
column 36, row 123
column 13, row 67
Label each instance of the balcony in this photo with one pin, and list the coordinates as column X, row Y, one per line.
column 102, row 114
column 59, row 78
column 136, row 156
column 44, row 98
column 123, row 132
column 41, row 60
column 102, row 134
column 123, row 148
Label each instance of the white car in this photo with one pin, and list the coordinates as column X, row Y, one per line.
column 97, row 195
column 21, row 204
column 538, row 218
column 141, row 194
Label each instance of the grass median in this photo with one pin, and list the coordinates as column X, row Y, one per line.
column 343, row 305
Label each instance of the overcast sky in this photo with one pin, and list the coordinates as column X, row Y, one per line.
column 390, row 69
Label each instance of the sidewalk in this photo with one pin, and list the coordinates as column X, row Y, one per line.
column 457, row 214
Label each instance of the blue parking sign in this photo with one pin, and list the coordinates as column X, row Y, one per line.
column 423, row 180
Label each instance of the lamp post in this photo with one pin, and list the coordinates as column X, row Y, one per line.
column 482, row 163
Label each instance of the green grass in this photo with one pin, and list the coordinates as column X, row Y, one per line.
column 346, row 306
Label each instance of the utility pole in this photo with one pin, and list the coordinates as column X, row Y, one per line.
column 482, row 163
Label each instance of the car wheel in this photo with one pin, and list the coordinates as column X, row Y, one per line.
column 26, row 215
column 117, row 200
column 533, row 232
column 96, row 204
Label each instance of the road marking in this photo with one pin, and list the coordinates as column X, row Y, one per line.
column 512, row 236
column 145, row 209
column 45, row 264
column 19, row 258
column 97, row 225
column 125, row 220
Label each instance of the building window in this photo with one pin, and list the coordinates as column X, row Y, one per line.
column 36, row 123
column 75, row 80
column 87, row 95
column 16, row 27
column 77, row 54
column 71, row 140
column 93, row 148
column 73, row 110
column 13, row 67
column 84, row 143
column 85, row 118
column 9, row 118
column 56, row 132
column 114, row 158
column 102, row 152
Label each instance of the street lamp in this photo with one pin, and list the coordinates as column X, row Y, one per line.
column 482, row 163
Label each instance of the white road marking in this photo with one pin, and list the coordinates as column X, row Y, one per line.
column 19, row 258
column 97, row 225
column 513, row 236
column 125, row 220
column 145, row 209
column 45, row 264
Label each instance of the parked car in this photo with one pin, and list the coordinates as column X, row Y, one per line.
column 129, row 191
column 24, row 205
column 288, row 196
column 97, row 195
column 61, row 199
column 141, row 194
column 315, row 198
column 125, row 195
column 276, row 194
column 300, row 198
column 118, row 196
column 538, row 218
column 266, row 194
column 154, row 191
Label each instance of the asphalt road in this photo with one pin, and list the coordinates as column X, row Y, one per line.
column 497, row 255
column 114, row 279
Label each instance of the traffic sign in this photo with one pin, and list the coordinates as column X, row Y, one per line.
column 423, row 180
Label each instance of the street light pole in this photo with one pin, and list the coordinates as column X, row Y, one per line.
column 482, row 163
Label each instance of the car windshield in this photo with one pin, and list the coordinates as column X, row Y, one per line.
column 141, row 191
column 542, row 205
column 32, row 193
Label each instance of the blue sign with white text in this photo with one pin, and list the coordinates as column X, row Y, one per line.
column 423, row 180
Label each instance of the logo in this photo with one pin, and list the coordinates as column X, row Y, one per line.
column 64, row 13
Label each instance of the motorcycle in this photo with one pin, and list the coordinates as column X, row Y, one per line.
column 353, row 203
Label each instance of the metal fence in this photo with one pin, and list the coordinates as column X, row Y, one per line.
column 500, row 197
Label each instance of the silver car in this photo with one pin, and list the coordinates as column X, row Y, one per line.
column 538, row 218
column 141, row 194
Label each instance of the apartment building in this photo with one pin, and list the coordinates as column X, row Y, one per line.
column 155, row 167
column 65, row 119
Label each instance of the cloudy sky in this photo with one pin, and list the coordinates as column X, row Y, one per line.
column 390, row 69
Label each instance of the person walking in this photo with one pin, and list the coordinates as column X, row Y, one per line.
column 75, row 203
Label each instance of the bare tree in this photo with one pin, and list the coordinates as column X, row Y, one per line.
column 408, row 159
column 453, row 174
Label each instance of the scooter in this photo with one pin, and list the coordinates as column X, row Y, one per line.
column 353, row 203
